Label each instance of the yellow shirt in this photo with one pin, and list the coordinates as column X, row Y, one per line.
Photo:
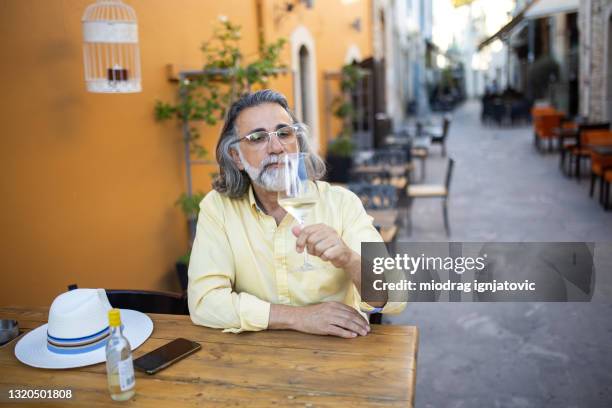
column 241, row 261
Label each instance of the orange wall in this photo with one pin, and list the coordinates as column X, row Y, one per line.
column 329, row 23
column 89, row 181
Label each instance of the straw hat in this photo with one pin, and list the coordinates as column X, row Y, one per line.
column 77, row 331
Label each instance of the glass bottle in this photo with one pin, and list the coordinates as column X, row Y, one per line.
column 119, row 365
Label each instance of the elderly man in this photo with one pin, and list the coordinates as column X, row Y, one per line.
column 242, row 270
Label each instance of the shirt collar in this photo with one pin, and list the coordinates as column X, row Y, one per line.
column 252, row 201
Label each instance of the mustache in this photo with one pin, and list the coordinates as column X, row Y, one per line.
column 268, row 161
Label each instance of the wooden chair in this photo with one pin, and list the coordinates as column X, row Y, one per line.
column 536, row 113
column 599, row 165
column 568, row 149
column 440, row 137
column 147, row 301
column 435, row 191
column 545, row 128
column 567, row 129
column 607, row 181
column 541, row 110
column 582, row 151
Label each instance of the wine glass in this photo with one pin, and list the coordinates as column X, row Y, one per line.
column 300, row 192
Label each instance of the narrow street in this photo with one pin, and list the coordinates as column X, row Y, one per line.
column 504, row 190
column 509, row 354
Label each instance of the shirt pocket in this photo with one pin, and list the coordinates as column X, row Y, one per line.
column 322, row 283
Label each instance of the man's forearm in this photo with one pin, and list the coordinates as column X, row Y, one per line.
column 282, row 317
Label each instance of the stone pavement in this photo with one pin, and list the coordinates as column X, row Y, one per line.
column 509, row 354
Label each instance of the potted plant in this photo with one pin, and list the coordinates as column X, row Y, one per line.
column 340, row 159
column 340, row 150
column 541, row 75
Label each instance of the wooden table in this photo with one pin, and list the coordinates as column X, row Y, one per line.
column 394, row 174
column 392, row 169
column 281, row 368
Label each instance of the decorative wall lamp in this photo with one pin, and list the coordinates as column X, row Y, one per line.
column 111, row 54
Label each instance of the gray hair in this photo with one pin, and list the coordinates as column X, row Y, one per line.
column 233, row 182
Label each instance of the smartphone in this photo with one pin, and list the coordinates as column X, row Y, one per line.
column 166, row 355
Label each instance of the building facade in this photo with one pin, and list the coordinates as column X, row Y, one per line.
column 595, row 19
column 90, row 180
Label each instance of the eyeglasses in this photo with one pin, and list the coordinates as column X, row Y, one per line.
column 285, row 135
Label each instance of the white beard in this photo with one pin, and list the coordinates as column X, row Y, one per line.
column 269, row 179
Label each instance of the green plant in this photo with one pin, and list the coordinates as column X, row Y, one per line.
column 447, row 81
column 204, row 96
column 344, row 109
column 541, row 74
column 342, row 146
column 184, row 259
column 225, row 76
column 190, row 204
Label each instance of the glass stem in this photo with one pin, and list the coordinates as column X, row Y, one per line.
column 305, row 249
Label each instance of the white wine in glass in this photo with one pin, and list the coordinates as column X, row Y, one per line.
column 300, row 193
column 298, row 207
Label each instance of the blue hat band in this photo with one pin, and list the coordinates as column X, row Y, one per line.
column 78, row 345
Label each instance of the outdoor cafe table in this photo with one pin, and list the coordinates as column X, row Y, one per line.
column 282, row 368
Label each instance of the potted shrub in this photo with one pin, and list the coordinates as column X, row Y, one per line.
column 340, row 159
column 340, row 150
column 541, row 75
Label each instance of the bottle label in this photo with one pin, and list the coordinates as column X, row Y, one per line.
column 126, row 374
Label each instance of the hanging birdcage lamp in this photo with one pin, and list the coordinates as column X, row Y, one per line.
column 110, row 49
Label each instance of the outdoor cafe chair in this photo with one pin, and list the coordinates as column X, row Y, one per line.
column 375, row 196
column 147, row 301
column 519, row 111
column 607, row 181
column 536, row 113
column 383, row 166
column 378, row 197
column 582, row 151
column 441, row 136
column 545, row 125
column 382, row 199
column 568, row 130
column 599, row 165
column 388, row 157
column 566, row 148
column 435, row 191
column 400, row 141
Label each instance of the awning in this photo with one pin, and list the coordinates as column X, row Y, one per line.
column 535, row 9
column 505, row 30
column 544, row 8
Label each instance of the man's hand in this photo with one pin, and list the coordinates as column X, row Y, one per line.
column 323, row 241
column 327, row 318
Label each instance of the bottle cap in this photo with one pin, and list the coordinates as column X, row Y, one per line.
column 114, row 318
